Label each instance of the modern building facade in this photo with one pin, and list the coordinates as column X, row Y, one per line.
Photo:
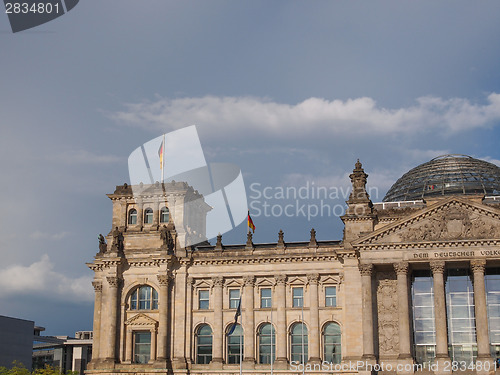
column 413, row 285
column 16, row 341
column 62, row 352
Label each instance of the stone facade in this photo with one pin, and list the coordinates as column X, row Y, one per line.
column 153, row 297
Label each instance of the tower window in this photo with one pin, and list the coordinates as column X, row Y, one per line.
column 144, row 298
column 148, row 216
column 132, row 216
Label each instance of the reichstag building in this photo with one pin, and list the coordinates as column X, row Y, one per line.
column 413, row 285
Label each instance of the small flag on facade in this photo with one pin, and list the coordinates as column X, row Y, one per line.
column 160, row 154
column 250, row 222
column 236, row 315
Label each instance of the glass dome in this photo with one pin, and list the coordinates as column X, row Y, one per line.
column 446, row 175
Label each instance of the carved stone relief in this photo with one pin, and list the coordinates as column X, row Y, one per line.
column 387, row 309
column 452, row 223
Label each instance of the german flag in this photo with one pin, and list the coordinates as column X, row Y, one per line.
column 160, row 154
column 250, row 222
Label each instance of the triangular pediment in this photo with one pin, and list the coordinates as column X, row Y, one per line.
column 452, row 219
column 141, row 320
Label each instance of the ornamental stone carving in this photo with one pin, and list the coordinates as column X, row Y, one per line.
column 401, row 268
column 249, row 280
column 313, row 278
column 365, row 269
column 113, row 281
column 280, row 279
column 437, row 266
column 453, row 223
column 387, row 307
column 97, row 286
column 218, row 281
column 163, row 279
column 478, row 265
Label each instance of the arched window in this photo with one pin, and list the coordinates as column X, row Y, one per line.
column 164, row 215
column 234, row 345
column 132, row 216
column 267, row 344
column 144, row 298
column 331, row 343
column 298, row 343
column 148, row 216
column 203, row 344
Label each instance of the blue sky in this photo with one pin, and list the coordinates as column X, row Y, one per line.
column 291, row 91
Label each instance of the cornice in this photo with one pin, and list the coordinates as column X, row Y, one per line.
column 428, row 245
column 264, row 259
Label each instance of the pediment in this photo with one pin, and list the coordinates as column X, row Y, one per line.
column 265, row 282
column 202, row 284
column 453, row 219
column 141, row 320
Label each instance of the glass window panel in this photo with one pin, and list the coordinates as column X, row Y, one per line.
column 460, row 314
column 331, row 296
column 298, row 297
column 265, row 298
column 203, row 299
column 234, row 298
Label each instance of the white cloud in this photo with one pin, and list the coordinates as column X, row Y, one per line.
column 353, row 116
column 40, row 278
column 39, row 235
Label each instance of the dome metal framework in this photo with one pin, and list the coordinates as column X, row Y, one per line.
column 446, row 175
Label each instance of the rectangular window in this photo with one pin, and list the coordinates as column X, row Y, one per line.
column 330, row 296
column 266, row 300
column 234, row 298
column 203, row 300
column 297, row 297
column 142, row 347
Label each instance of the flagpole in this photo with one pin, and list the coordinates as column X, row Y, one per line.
column 303, row 359
column 241, row 334
column 163, row 159
column 272, row 330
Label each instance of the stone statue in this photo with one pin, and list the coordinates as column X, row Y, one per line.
column 166, row 238
column 103, row 246
column 117, row 240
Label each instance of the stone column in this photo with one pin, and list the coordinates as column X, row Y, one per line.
column 314, row 334
column 156, row 213
column 366, row 271
column 248, row 322
column 281, row 331
column 437, row 268
column 217, row 358
column 128, row 346
column 180, row 281
column 403, row 310
column 140, row 214
column 96, row 354
column 163, row 280
column 113, row 282
column 152, row 358
column 483, row 344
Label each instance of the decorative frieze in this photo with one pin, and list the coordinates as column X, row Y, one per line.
column 313, row 278
column 249, row 280
column 280, row 279
column 113, row 281
column 401, row 268
column 365, row 269
column 478, row 265
column 97, row 286
column 387, row 305
column 218, row 281
column 437, row 266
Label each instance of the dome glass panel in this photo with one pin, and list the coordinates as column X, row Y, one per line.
column 446, row 175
